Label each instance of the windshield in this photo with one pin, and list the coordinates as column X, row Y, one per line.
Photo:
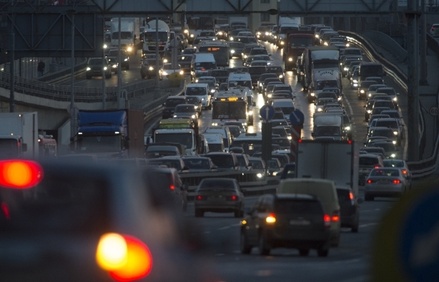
column 197, row 163
column 198, row 91
column 229, row 110
column 100, row 144
column 327, row 131
column 153, row 35
column 301, row 41
column 180, row 138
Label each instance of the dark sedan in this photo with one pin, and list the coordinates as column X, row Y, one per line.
column 219, row 195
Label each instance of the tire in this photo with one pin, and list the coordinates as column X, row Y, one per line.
column 199, row 213
column 304, row 252
column 322, row 252
column 264, row 249
column 244, row 245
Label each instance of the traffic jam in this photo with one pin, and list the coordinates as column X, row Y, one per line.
column 283, row 132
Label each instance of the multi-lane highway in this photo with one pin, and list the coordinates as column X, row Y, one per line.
column 348, row 262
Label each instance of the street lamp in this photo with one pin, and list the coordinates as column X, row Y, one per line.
column 104, row 87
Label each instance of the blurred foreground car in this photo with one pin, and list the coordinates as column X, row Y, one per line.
column 286, row 221
column 385, row 182
column 219, row 195
column 77, row 221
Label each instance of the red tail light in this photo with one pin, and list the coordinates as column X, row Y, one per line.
column 351, row 196
column 199, row 197
column 396, row 181
column 335, row 218
column 377, row 166
column 404, row 172
column 327, row 220
column 369, row 181
column 172, row 187
column 20, row 174
column 125, row 257
column 5, row 210
column 234, row 198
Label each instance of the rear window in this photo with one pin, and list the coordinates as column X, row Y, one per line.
column 216, row 184
column 368, row 161
column 223, row 161
column 290, row 206
column 64, row 203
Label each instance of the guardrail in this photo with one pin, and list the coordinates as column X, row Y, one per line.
column 422, row 168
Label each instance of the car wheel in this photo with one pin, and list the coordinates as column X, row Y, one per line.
column 322, row 252
column 304, row 252
column 245, row 246
column 199, row 213
column 264, row 249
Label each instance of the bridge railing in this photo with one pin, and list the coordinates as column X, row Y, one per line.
column 422, row 168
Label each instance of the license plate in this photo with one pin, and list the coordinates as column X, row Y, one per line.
column 299, row 222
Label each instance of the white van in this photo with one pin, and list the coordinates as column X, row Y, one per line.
column 202, row 92
column 242, row 80
column 201, row 64
column 215, row 142
column 325, row 191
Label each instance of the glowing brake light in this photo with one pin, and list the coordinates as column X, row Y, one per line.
column 172, row 187
column 369, row 181
column 199, row 197
column 126, row 258
column 327, row 220
column 20, row 174
column 396, row 181
column 335, row 218
column 234, row 197
column 351, row 196
column 271, row 218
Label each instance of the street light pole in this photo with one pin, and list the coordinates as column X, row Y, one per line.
column 72, row 79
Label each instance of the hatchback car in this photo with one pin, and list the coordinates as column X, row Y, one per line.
column 286, row 221
column 367, row 162
column 219, row 195
column 385, row 182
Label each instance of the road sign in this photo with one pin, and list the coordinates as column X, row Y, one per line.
column 297, row 117
column 266, row 112
column 420, row 239
column 406, row 243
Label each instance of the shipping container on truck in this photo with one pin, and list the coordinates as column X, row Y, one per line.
column 328, row 159
column 110, row 133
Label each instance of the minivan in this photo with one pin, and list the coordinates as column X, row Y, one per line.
column 322, row 189
column 201, row 64
column 201, row 91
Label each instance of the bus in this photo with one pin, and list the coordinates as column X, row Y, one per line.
column 227, row 108
column 219, row 50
